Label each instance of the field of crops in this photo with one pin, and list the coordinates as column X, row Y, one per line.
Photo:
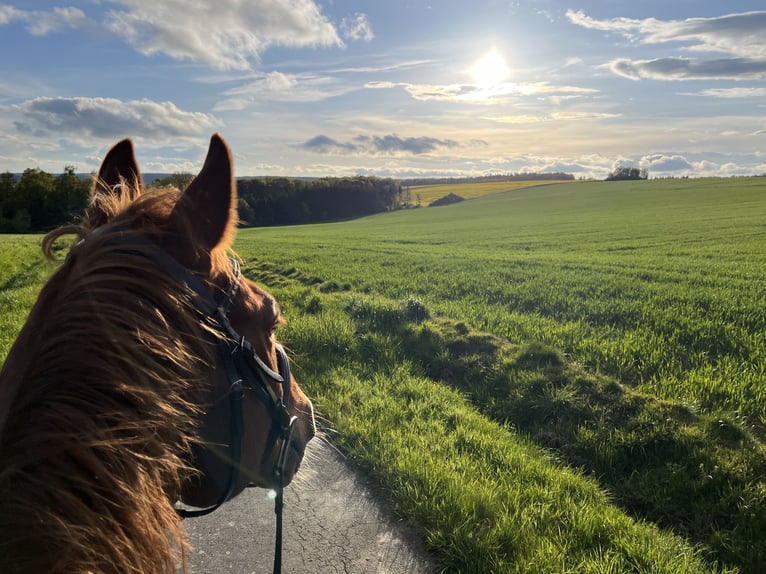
column 425, row 194
column 569, row 378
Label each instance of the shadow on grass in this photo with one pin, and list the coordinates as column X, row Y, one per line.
column 700, row 476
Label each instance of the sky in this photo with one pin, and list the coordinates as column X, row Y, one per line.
column 394, row 88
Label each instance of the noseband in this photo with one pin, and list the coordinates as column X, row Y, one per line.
column 245, row 371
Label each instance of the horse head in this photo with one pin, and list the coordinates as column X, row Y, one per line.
column 198, row 232
column 148, row 373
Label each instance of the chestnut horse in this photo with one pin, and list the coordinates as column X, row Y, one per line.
column 147, row 374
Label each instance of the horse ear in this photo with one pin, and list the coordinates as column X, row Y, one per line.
column 118, row 170
column 208, row 207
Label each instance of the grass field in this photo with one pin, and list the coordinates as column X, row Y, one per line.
column 560, row 379
column 427, row 193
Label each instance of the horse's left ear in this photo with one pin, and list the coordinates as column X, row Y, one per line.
column 208, row 207
column 119, row 169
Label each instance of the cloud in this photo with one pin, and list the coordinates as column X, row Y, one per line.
column 731, row 93
column 325, row 144
column 472, row 93
column 225, row 34
column 666, row 163
column 415, row 145
column 741, row 36
column 109, row 118
column 685, row 69
column 40, row 23
column 561, row 116
column 279, row 87
column 390, row 144
column 357, row 28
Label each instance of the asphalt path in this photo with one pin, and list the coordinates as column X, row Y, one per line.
column 333, row 523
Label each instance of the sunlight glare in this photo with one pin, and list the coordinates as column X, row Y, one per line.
column 490, row 69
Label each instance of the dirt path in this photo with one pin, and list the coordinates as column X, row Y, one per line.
column 332, row 524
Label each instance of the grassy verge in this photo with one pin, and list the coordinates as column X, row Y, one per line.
column 486, row 497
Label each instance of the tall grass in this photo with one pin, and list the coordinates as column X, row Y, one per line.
column 485, row 497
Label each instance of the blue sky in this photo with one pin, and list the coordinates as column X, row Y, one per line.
column 401, row 88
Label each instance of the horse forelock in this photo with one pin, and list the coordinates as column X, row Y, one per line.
column 106, row 368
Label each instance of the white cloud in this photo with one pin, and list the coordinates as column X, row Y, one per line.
column 666, row 163
column 279, row 87
column 40, row 22
column 472, row 93
column 357, row 27
column 277, row 81
column 732, row 93
column 108, row 118
column 225, row 34
column 562, row 116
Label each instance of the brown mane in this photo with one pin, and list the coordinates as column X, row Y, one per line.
column 92, row 359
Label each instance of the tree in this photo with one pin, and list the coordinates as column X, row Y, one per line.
column 34, row 193
column 70, row 196
column 624, row 172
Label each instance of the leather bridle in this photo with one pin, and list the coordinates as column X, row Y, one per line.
column 244, row 371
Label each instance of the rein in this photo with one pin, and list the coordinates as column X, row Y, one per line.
column 244, row 371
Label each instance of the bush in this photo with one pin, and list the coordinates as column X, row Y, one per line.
column 446, row 200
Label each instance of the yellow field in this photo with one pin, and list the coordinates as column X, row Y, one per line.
column 428, row 193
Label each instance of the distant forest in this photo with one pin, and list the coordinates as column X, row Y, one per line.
column 36, row 201
column 286, row 201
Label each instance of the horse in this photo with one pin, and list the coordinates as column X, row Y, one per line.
column 146, row 381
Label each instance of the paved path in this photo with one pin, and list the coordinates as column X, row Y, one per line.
column 332, row 524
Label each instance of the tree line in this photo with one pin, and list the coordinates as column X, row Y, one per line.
column 286, row 201
column 39, row 201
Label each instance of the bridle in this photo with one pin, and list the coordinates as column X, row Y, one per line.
column 245, row 371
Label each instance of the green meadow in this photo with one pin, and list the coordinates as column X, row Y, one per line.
column 566, row 378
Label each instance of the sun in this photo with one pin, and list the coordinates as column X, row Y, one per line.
column 490, row 69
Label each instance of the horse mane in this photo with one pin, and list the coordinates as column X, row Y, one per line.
column 106, row 377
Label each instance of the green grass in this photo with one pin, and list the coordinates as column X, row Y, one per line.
column 561, row 379
column 658, row 283
column 22, row 272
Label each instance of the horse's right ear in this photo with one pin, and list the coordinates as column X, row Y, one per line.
column 118, row 174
